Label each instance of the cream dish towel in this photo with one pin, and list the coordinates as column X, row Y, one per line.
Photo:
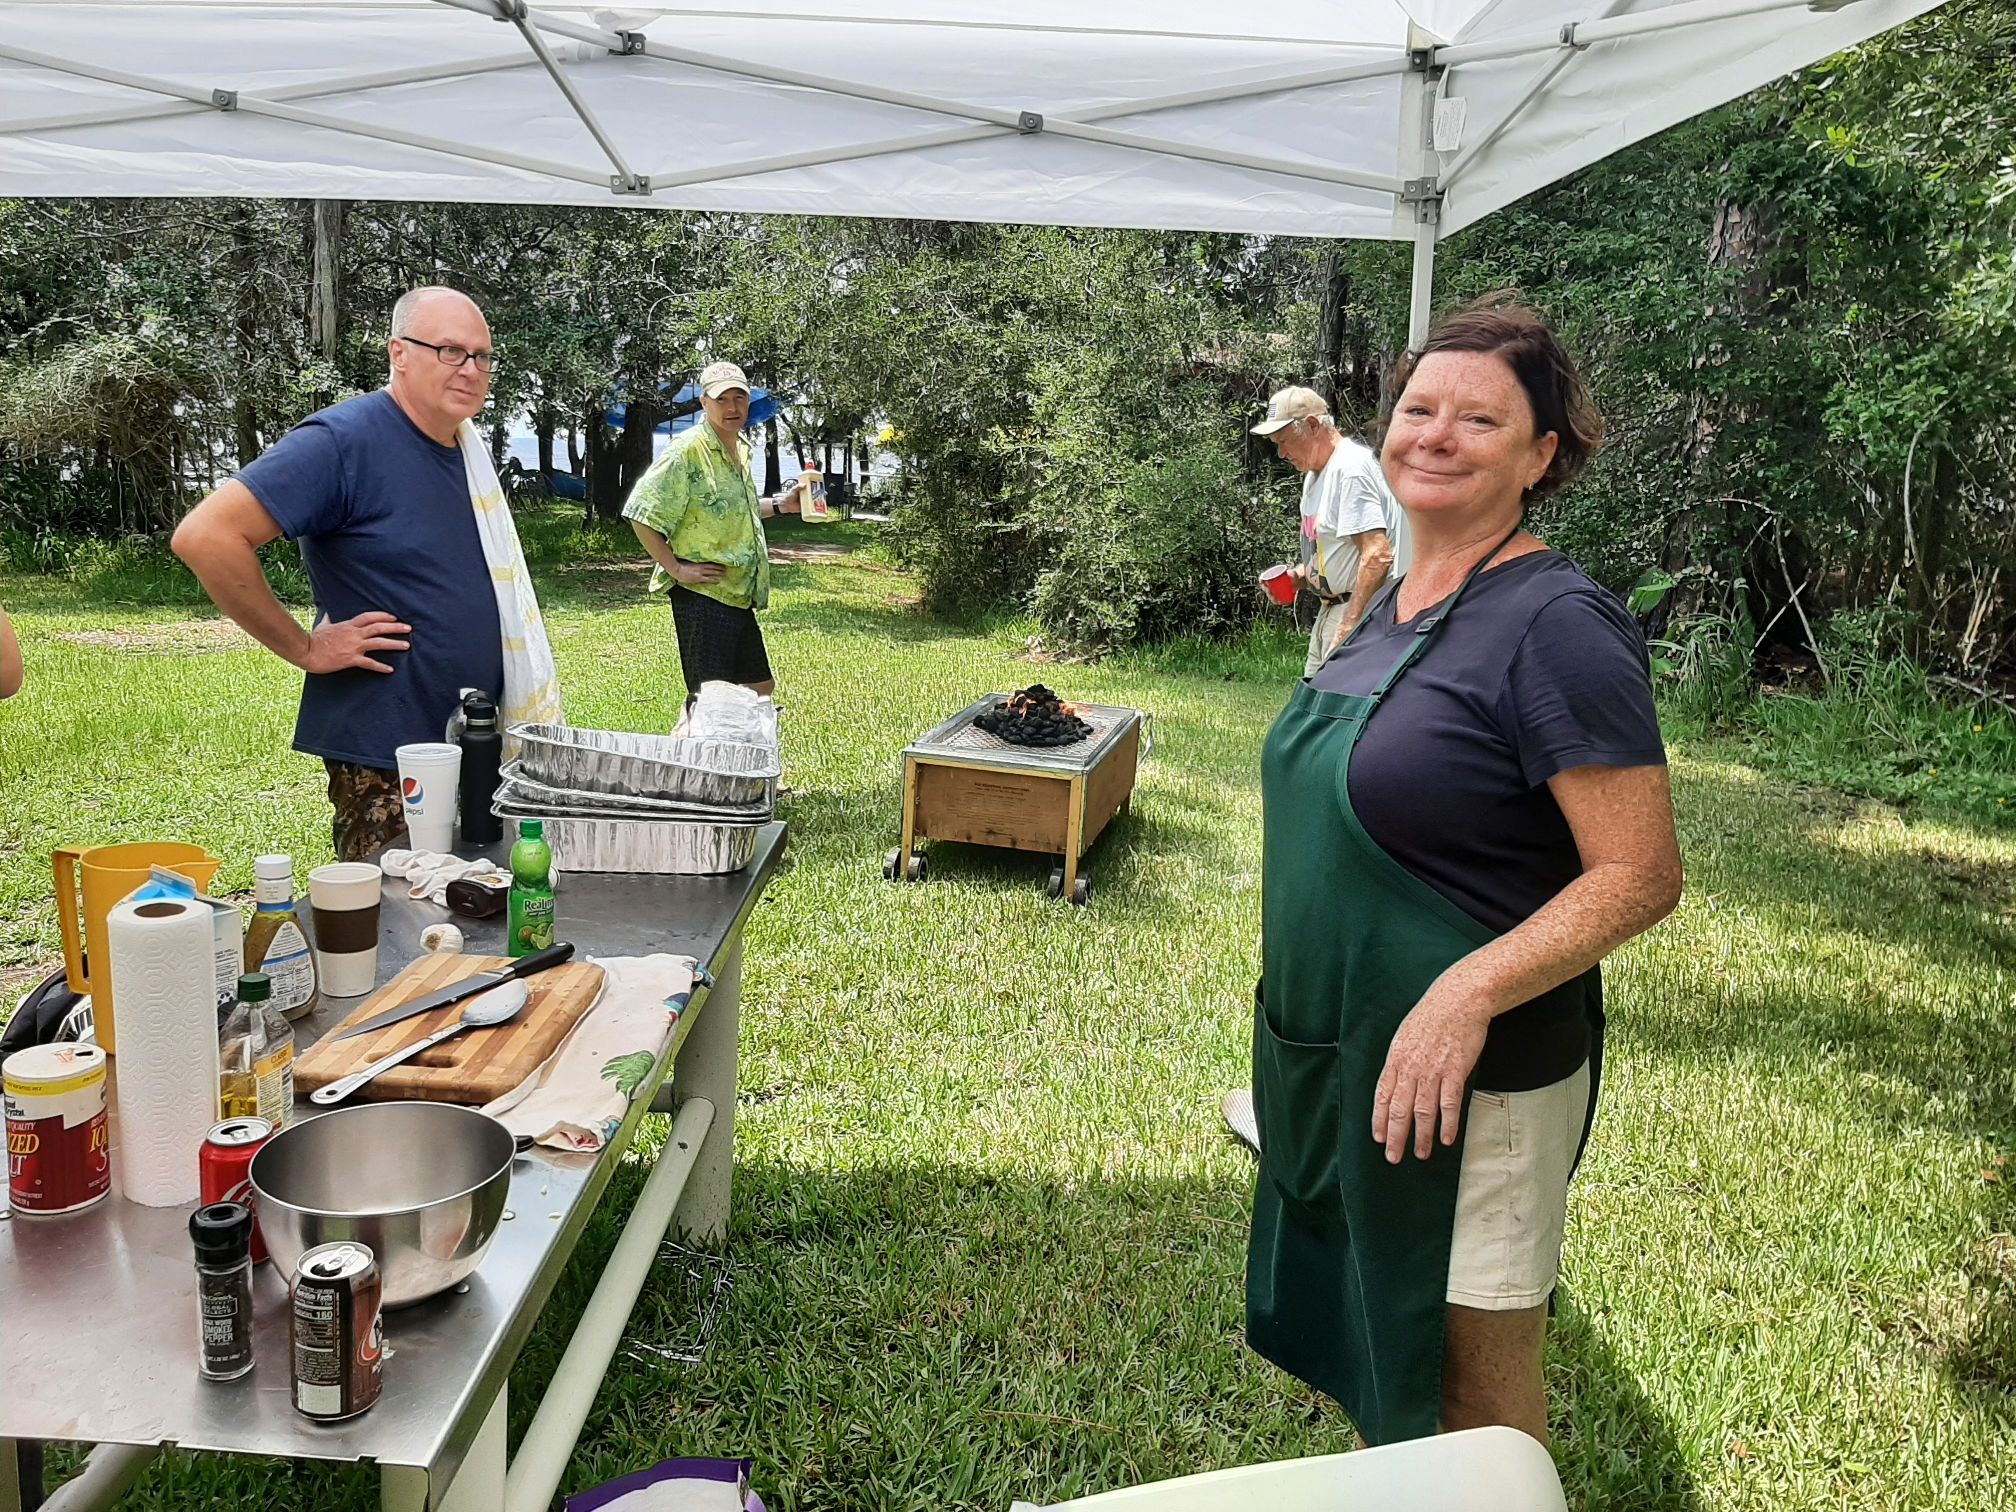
column 576, row 1100
column 531, row 685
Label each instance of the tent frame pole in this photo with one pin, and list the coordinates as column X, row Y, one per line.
column 1548, row 73
column 229, row 100
column 1421, row 297
column 1579, row 34
column 626, row 181
column 1418, row 207
column 426, row 73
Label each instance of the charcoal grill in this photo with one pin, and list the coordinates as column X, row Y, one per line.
column 961, row 783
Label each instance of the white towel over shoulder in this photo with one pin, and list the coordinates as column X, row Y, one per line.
column 531, row 684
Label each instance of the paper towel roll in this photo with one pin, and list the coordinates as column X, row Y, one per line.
column 164, row 991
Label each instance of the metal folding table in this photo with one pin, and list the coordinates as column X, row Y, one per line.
column 98, row 1309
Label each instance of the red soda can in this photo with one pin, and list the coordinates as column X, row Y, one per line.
column 226, row 1165
column 336, row 1331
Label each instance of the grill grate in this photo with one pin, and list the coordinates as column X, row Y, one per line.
column 970, row 737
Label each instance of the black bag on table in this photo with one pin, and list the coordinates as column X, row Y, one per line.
column 50, row 1012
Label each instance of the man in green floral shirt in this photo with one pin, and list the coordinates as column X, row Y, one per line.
column 697, row 514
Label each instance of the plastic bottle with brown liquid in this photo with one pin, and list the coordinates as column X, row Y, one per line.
column 274, row 941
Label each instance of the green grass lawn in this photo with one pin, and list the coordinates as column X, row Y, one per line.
column 988, row 1234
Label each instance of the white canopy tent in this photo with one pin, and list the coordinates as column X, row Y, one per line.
column 1398, row 119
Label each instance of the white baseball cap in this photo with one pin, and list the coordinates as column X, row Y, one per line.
column 718, row 377
column 1289, row 405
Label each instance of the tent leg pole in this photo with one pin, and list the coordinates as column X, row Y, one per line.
column 1421, row 301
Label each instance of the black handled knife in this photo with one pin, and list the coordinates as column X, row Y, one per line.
column 469, row 986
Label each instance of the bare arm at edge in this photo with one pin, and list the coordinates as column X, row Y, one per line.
column 1375, row 560
column 219, row 540
column 660, row 551
column 1622, row 820
column 11, row 671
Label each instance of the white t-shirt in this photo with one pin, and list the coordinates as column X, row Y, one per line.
column 1347, row 498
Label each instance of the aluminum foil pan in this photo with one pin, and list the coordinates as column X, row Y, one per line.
column 522, row 792
column 714, row 773
column 649, row 845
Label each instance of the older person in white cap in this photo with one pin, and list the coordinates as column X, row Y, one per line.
column 698, row 515
column 1350, row 519
column 1352, row 535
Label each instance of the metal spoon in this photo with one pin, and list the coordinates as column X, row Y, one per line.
column 497, row 1006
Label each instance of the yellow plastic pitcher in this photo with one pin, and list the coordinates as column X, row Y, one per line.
column 110, row 872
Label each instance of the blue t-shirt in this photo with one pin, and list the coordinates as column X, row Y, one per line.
column 382, row 515
column 1539, row 670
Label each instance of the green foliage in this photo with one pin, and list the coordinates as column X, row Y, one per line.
column 988, row 1232
column 1795, row 311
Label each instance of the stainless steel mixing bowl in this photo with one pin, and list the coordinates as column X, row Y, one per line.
column 423, row 1184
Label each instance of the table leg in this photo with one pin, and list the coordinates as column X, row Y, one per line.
column 477, row 1485
column 706, row 1068
column 909, row 818
column 10, row 1474
column 1074, row 836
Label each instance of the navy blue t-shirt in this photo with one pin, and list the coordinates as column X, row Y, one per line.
column 382, row 515
column 1538, row 671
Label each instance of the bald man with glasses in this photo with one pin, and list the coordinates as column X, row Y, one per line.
column 374, row 492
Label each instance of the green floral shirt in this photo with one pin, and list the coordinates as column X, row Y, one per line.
column 704, row 503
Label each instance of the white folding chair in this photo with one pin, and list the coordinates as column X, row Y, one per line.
column 1499, row 1469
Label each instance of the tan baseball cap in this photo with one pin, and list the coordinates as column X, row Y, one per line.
column 1288, row 406
column 718, row 377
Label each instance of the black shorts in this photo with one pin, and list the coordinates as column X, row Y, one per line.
column 717, row 641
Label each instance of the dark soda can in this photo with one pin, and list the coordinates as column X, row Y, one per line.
column 225, row 1168
column 338, row 1340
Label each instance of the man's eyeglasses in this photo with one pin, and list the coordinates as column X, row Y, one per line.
column 455, row 356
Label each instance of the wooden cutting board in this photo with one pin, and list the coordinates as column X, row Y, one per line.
column 473, row 1067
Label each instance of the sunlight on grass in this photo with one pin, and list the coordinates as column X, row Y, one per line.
column 988, row 1235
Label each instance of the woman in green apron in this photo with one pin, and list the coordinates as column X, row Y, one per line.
column 1466, row 809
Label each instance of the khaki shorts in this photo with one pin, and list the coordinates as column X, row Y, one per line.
column 1512, row 1195
column 1328, row 618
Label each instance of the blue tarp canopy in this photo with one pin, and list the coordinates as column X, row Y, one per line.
column 763, row 408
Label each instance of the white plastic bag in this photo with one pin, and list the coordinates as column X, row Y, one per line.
column 729, row 711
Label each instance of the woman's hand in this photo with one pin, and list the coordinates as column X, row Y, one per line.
column 1427, row 1067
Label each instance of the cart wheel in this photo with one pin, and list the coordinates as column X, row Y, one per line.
column 1054, row 888
column 1081, row 891
column 920, row 868
column 889, row 864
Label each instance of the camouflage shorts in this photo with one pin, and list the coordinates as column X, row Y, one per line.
column 369, row 816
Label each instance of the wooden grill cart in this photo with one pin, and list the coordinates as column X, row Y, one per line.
column 961, row 783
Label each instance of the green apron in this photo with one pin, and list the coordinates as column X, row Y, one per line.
column 1348, row 1270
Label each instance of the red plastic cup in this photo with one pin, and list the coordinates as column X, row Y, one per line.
column 1279, row 584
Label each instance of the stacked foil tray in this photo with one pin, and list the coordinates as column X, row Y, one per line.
column 613, row 801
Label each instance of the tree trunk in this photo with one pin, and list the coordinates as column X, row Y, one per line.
column 773, row 467
column 245, row 330
column 1331, row 326
column 574, row 454
column 325, row 295
column 634, row 448
column 602, row 468
column 1928, row 554
column 500, row 443
column 1699, row 548
column 544, row 430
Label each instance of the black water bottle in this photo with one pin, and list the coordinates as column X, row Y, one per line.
column 482, row 747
